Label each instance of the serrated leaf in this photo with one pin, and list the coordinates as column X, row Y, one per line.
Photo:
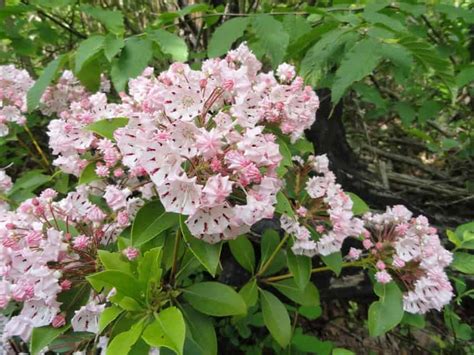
column 133, row 59
column 357, row 63
column 112, row 46
column 111, row 19
column 272, row 37
column 170, row 44
column 225, row 35
column 88, row 49
column 276, row 318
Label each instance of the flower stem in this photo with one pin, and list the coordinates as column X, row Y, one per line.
column 274, row 254
column 175, row 255
column 37, row 146
column 360, row 263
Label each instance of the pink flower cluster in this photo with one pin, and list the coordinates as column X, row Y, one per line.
column 327, row 214
column 14, row 84
column 409, row 250
column 46, row 247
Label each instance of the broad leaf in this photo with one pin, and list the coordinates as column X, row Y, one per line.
column 112, row 20
column 207, row 254
column 133, row 59
column 359, row 207
column 170, row 44
column 108, row 316
column 114, row 261
column 150, row 222
column 334, row 262
column 112, row 46
column 242, row 250
column 88, row 49
column 309, row 296
column 387, row 312
column 250, row 293
column 463, row 262
column 272, row 37
column 124, row 283
column 300, row 267
column 168, row 330
column 276, row 318
column 201, row 329
column 215, row 299
column 88, row 174
column 43, row 336
column 122, row 343
column 225, row 35
column 357, row 63
column 107, row 127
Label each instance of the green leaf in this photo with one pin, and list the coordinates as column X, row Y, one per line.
column 406, row 111
column 149, row 265
column 428, row 110
column 300, row 267
column 122, row 343
column 270, row 240
column 36, row 91
column 387, row 312
column 276, row 318
column 283, row 205
column 310, row 312
column 111, row 19
column 214, row 299
column 359, row 207
column 43, row 336
column 296, row 26
column 428, row 57
column 201, row 329
column 242, row 250
column 311, row 344
column 415, row 320
column 29, row 181
column 309, row 296
column 334, row 262
column 88, row 49
column 272, row 37
column 170, row 44
column 88, row 174
column 250, row 293
column 168, row 330
column 387, row 21
column 124, row 283
column 285, row 152
column 114, row 261
column 151, row 221
column 225, row 35
column 108, row 316
column 207, row 254
column 89, row 76
column 133, row 59
column 341, row 351
column 357, row 63
column 112, row 46
column 107, row 127
column 463, row 262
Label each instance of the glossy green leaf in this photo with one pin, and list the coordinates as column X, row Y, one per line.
column 276, row 318
column 88, row 174
column 215, row 299
column 242, row 250
column 463, row 262
column 124, row 283
column 108, row 316
column 122, row 343
column 359, row 207
column 207, row 254
column 250, row 293
column 114, row 261
column 201, row 329
column 151, row 221
column 43, row 336
column 300, row 267
column 167, row 330
column 334, row 262
column 308, row 296
column 387, row 312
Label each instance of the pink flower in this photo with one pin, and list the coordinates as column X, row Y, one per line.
column 130, row 253
column 367, row 243
column 81, row 242
column 95, row 214
column 354, row 254
column 33, row 238
column 301, row 211
column 383, row 277
column 102, row 170
column 65, row 285
column 216, row 190
column 123, row 218
column 116, row 198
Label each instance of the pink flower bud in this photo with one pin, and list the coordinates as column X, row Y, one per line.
column 367, row 243
column 65, row 285
column 58, row 321
column 380, row 265
column 130, row 253
column 383, row 277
